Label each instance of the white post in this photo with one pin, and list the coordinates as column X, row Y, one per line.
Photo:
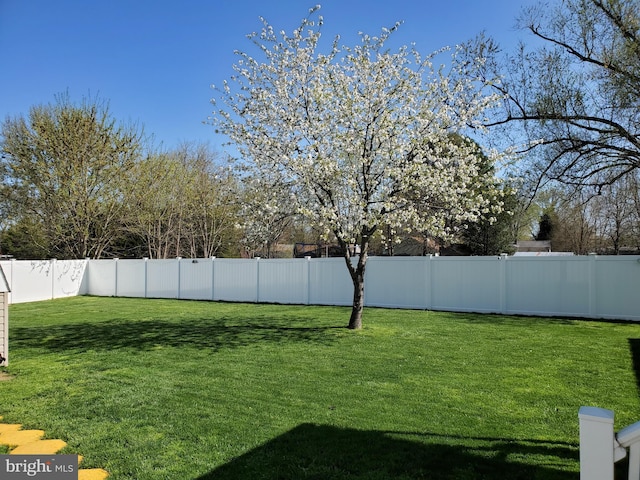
column 593, row 295
column 53, row 277
column 596, row 443
column 307, row 266
column 428, row 296
column 115, row 260
column 629, row 437
column 213, row 278
column 179, row 292
column 146, row 280
column 257, row 279
column 503, row 282
column 634, row 461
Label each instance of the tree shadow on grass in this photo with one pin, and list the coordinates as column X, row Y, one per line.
column 634, row 346
column 326, row 452
column 213, row 334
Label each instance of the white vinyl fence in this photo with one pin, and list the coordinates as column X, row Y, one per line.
column 35, row 280
column 580, row 286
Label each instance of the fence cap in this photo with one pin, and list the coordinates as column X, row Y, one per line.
column 596, row 414
column 629, row 435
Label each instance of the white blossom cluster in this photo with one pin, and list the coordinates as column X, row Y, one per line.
column 360, row 137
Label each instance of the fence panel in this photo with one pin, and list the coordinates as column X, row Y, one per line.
column 283, row 281
column 101, row 278
column 31, row 281
column 131, row 278
column 329, row 282
column 235, row 280
column 467, row 284
column 548, row 286
column 67, row 278
column 163, row 278
column 196, row 278
column 617, row 287
column 399, row 282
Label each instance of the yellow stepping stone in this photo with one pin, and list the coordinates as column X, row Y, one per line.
column 29, row 442
column 9, row 427
column 40, row 447
column 92, row 474
column 20, row 437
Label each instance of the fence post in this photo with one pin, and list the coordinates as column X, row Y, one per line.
column 116, row 277
column 593, row 302
column 503, row 282
column 257, row 279
column 213, row 278
column 429, row 282
column 596, row 443
column 307, row 265
column 629, row 437
column 179, row 259
column 146, row 280
column 53, row 278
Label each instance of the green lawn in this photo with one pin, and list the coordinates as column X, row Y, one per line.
column 164, row 389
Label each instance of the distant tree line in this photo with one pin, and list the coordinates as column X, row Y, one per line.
column 606, row 224
column 571, row 99
column 77, row 184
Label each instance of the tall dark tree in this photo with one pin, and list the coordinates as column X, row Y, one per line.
column 24, row 240
column 496, row 235
column 545, row 227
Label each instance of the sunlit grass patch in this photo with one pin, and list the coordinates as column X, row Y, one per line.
column 166, row 389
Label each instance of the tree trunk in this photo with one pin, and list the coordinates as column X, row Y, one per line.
column 356, row 273
column 355, row 322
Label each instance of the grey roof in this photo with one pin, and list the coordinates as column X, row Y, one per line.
column 4, row 285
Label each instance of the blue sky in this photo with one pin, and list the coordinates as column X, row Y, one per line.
column 154, row 61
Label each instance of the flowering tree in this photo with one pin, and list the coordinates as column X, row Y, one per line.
column 358, row 138
column 266, row 213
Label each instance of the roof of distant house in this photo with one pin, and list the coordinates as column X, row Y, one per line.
column 543, row 254
column 533, row 246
